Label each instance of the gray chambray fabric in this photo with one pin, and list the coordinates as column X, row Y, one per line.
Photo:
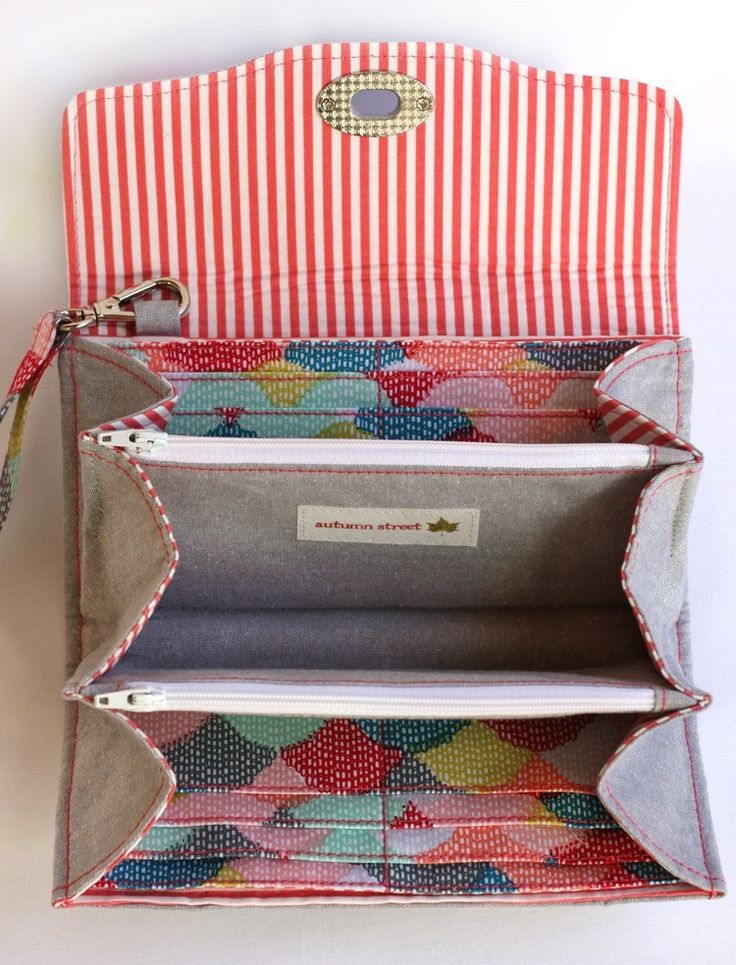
column 402, row 638
column 545, row 576
column 127, row 552
column 117, row 782
column 95, row 825
column 157, row 319
column 656, row 379
column 237, row 535
column 655, row 570
column 656, row 790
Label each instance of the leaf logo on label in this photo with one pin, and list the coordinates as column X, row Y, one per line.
column 442, row 526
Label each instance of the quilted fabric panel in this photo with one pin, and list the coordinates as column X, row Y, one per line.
column 384, row 806
column 479, row 391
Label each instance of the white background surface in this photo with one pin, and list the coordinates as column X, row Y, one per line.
column 49, row 51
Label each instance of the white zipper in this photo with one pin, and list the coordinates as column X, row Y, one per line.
column 159, row 446
column 537, row 700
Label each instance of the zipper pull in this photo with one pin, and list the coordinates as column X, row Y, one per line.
column 131, row 700
column 133, row 440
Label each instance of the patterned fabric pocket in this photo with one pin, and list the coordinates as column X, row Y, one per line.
column 484, row 391
column 389, row 806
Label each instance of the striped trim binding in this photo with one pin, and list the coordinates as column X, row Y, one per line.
column 530, row 203
column 625, row 424
column 157, row 417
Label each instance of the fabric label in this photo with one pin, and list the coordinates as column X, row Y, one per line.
column 402, row 527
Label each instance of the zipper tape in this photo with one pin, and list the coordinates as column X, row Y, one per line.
column 533, row 700
column 153, row 446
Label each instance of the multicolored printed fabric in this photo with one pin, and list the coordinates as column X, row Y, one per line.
column 480, row 390
column 419, row 807
column 46, row 342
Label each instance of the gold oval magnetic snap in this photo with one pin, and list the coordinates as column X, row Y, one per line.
column 375, row 103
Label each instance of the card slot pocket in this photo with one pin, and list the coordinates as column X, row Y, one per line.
column 244, row 875
column 406, row 375
column 356, row 357
column 530, row 426
column 455, row 398
column 372, row 811
column 420, row 412
column 428, row 845
column 405, row 404
column 284, row 759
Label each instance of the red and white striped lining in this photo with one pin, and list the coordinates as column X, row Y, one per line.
column 156, row 417
column 531, row 203
column 625, row 424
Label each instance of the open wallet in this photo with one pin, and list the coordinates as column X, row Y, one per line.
column 378, row 475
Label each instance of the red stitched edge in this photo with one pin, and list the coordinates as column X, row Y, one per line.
column 501, row 790
column 286, row 854
column 134, row 479
column 696, row 797
column 118, row 365
column 644, row 834
column 78, row 569
column 305, row 791
column 417, row 892
column 214, row 468
column 255, row 821
column 266, row 64
column 424, row 412
column 67, row 885
column 434, row 341
column 678, row 388
column 367, row 376
column 324, row 896
column 647, row 358
column 121, row 682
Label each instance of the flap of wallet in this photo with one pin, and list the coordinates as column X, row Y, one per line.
column 513, row 200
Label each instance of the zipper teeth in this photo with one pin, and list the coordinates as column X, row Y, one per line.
column 157, row 700
column 401, row 452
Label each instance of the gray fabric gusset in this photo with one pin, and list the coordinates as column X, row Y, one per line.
column 114, row 786
column 655, row 789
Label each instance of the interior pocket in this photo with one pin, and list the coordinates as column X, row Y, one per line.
column 537, row 589
column 421, row 807
column 482, row 390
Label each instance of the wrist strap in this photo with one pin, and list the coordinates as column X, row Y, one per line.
column 47, row 340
